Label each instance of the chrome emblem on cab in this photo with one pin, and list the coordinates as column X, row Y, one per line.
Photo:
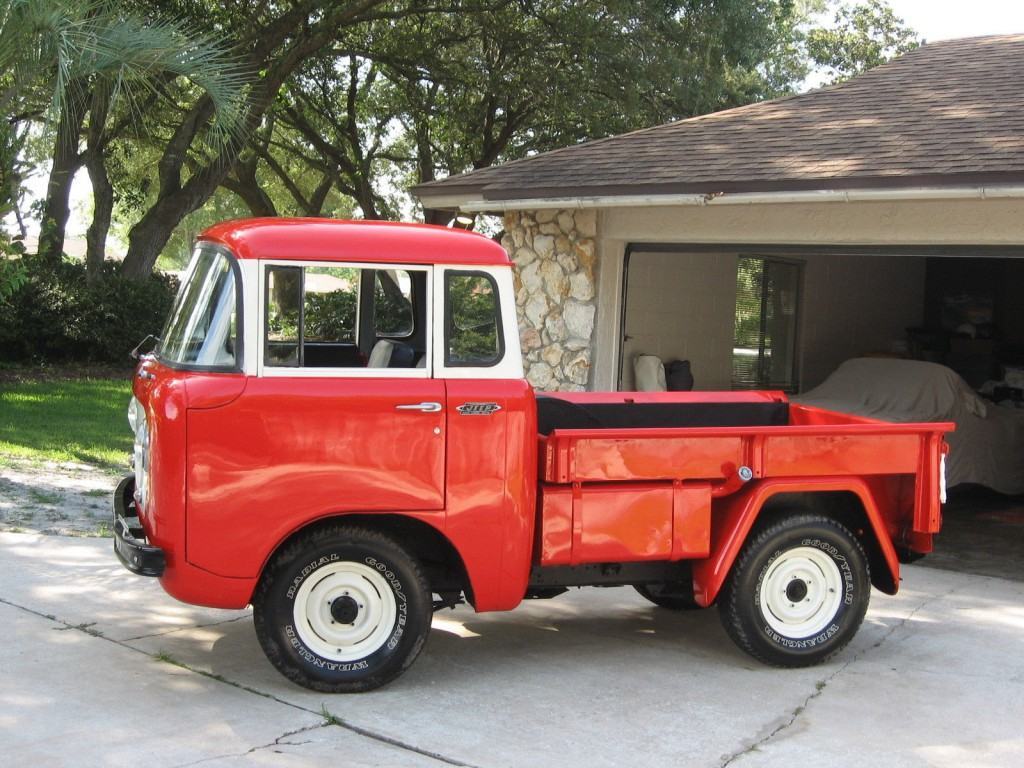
column 478, row 409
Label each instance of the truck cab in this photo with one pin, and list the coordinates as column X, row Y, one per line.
column 334, row 427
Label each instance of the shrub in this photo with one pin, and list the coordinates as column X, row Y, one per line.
column 57, row 316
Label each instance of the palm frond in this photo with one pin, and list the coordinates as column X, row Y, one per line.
column 73, row 44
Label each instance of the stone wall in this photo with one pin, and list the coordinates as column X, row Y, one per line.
column 555, row 279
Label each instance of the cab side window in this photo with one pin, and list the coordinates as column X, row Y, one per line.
column 336, row 317
column 473, row 333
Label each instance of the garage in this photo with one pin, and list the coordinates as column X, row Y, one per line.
column 878, row 219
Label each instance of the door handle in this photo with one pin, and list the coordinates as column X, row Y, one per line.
column 423, row 407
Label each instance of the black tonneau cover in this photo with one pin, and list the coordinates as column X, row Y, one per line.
column 555, row 413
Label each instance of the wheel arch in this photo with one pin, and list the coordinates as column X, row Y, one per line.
column 440, row 560
column 845, row 507
column 848, row 500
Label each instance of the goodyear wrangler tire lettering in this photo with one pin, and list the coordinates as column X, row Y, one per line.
column 798, row 591
column 342, row 609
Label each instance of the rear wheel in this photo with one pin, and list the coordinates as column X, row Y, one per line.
column 798, row 591
column 342, row 610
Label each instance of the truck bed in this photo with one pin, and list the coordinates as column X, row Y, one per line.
column 610, row 460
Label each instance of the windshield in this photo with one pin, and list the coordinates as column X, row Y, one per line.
column 203, row 326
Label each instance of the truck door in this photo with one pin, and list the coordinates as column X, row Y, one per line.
column 343, row 416
column 492, row 431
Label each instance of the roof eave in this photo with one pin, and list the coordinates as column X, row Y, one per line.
column 493, row 199
column 892, row 194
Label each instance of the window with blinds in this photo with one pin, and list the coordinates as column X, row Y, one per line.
column 764, row 341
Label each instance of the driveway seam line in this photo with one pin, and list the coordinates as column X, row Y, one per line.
column 183, row 629
column 822, row 684
column 330, row 719
column 276, row 742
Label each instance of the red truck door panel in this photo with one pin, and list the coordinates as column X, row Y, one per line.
column 294, row 448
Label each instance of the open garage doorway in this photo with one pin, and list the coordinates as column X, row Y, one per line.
column 750, row 317
column 746, row 316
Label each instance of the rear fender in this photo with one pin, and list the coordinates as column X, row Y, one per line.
column 733, row 521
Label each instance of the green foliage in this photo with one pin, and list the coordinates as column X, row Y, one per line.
column 330, row 316
column 13, row 277
column 434, row 94
column 339, row 107
column 13, row 274
column 58, row 316
column 749, row 275
column 862, row 36
column 392, row 311
column 425, row 95
column 55, row 49
column 78, row 420
column 473, row 335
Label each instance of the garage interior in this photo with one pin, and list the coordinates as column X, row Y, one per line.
column 961, row 307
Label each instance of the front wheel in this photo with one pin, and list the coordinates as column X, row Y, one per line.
column 343, row 609
column 798, row 591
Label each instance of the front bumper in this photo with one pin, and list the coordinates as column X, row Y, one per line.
column 130, row 544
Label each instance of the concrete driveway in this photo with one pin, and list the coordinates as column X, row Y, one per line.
column 101, row 668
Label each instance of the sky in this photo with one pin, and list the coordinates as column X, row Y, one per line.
column 943, row 19
column 932, row 19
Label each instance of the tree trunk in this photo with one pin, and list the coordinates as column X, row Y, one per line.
column 102, row 189
column 319, row 196
column 176, row 200
column 103, row 206
column 247, row 187
column 149, row 236
column 66, row 162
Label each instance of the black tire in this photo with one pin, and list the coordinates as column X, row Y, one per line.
column 675, row 596
column 797, row 548
column 342, row 579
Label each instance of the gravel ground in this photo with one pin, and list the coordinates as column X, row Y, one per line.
column 55, row 498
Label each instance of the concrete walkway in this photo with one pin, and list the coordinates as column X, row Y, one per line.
column 101, row 668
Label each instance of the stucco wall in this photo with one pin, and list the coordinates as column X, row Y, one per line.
column 682, row 307
column 937, row 222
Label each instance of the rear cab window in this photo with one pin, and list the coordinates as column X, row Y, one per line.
column 473, row 330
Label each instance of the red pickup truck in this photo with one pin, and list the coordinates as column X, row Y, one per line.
column 335, row 428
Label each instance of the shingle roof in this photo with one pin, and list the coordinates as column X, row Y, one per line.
column 948, row 113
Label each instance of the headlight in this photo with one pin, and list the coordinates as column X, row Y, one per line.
column 135, row 414
column 141, row 460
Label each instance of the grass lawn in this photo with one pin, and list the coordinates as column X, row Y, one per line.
column 81, row 420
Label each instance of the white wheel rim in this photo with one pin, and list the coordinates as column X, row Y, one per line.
column 372, row 625
column 801, row 592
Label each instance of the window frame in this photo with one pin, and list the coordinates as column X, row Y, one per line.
column 236, row 274
column 449, row 322
column 270, row 371
column 794, row 384
column 266, row 316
